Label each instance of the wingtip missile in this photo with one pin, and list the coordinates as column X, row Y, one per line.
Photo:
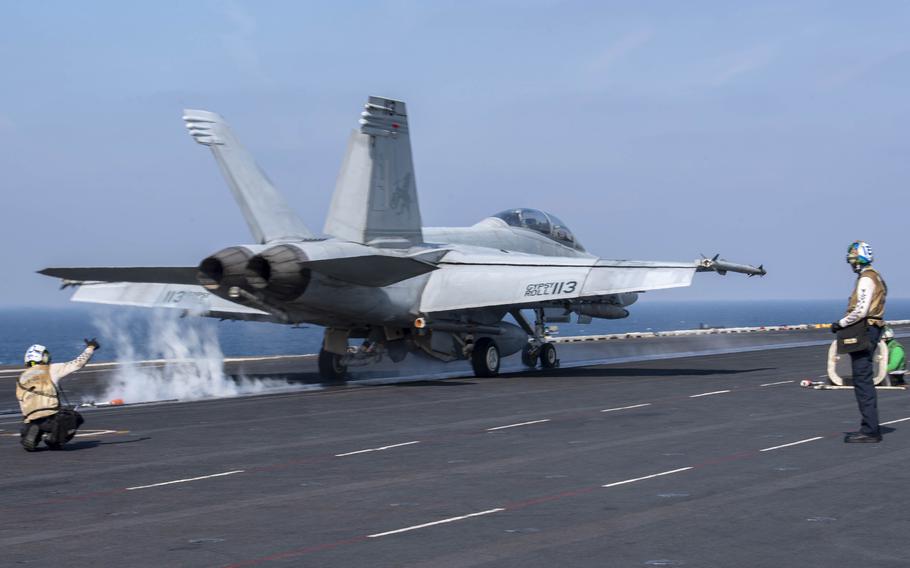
column 721, row 266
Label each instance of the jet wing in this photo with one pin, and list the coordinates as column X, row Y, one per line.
column 194, row 299
column 470, row 281
column 375, row 270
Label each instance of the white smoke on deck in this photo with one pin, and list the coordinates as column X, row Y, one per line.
column 188, row 362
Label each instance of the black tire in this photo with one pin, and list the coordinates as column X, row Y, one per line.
column 485, row 358
column 330, row 368
column 529, row 356
column 548, row 359
column 397, row 350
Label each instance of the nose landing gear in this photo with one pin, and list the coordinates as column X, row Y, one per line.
column 538, row 349
column 548, row 358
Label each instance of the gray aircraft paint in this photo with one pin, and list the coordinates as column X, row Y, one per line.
column 378, row 268
column 375, row 199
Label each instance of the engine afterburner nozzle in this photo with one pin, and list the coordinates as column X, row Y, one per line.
column 224, row 269
column 279, row 272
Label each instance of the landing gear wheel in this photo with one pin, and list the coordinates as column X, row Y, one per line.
column 485, row 358
column 330, row 368
column 529, row 356
column 397, row 350
column 548, row 358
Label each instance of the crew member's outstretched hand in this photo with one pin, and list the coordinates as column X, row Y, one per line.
column 92, row 343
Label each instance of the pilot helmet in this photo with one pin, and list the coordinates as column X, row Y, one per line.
column 37, row 355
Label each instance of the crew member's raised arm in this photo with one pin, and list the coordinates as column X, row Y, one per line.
column 60, row 370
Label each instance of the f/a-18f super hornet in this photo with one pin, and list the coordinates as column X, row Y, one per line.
column 381, row 277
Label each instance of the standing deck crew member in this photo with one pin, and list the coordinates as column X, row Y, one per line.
column 866, row 303
column 39, row 393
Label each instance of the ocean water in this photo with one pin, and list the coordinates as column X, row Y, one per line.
column 126, row 332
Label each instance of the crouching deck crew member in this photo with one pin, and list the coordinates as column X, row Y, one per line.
column 38, row 391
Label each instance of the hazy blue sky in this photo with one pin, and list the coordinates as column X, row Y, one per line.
column 772, row 132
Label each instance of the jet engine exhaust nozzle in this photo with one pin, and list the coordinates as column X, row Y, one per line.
column 279, row 272
column 223, row 269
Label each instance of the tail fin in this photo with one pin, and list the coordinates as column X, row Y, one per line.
column 265, row 210
column 375, row 199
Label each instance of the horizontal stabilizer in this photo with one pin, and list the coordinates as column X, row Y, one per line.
column 267, row 213
column 157, row 274
column 375, row 270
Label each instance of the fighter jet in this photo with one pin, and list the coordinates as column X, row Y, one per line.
column 380, row 283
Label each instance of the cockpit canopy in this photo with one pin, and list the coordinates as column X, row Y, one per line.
column 544, row 223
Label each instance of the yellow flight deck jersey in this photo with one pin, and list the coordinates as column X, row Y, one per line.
column 36, row 388
column 867, row 300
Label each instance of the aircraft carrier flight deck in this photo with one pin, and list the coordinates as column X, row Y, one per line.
column 652, row 451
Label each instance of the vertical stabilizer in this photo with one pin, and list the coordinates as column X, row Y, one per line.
column 265, row 210
column 375, row 199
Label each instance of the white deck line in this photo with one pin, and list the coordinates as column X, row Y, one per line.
column 792, row 444
column 626, row 407
column 708, row 393
column 517, row 425
column 449, row 520
column 95, row 433
column 379, row 449
column 185, row 480
column 777, row 383
column 648, row 476
column 893, row 421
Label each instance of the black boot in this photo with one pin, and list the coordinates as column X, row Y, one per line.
column 31, row 436
column 860, row 438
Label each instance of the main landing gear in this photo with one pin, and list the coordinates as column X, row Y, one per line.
column 485, row 358
column 331, row 368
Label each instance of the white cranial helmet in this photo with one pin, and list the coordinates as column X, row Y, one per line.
column 37, row 355
column 859, row 252
column 888, row 333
